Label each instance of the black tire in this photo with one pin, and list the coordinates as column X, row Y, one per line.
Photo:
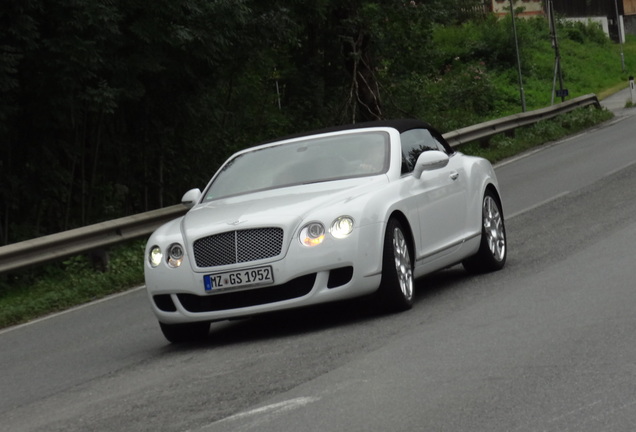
column 189, row 332
column 493, row 248
column 396, row 288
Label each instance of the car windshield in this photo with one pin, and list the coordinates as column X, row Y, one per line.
column 301, row 162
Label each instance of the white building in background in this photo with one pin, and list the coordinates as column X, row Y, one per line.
column 602, row 12
column 530, row 7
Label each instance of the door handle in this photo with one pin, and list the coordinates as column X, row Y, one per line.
column 454, row 175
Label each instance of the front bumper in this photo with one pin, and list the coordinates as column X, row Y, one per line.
column 333, row 271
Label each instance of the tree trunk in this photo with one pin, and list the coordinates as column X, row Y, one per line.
column 364, row 97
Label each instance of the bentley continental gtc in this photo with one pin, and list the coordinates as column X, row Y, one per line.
column 351, row 211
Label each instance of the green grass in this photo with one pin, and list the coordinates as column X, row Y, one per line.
column 478, row 69
column 502, row 146
column 33, row 293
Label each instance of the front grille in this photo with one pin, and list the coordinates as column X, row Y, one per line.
column 295, row 288
column 238, row 247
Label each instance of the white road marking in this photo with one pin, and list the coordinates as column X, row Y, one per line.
column 260, row 415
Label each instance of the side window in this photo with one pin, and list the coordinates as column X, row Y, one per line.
column 416, row 141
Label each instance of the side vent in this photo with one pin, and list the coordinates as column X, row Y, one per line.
column 164, row 302
column 339, row 277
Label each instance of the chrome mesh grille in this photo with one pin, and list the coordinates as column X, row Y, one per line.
column 238, row 247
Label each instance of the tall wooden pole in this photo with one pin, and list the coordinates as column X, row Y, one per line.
column 514, row 30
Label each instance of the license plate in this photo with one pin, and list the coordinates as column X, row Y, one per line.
column 238, row 279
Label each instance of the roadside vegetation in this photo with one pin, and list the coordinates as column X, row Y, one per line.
column 121, row 150
column 503, row 146
column 51, row 288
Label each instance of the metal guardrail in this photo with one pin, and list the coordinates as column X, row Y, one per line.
column 68, row 243
column 493, row 127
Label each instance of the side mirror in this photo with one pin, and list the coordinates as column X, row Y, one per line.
column 429, row 161
column 191, row 197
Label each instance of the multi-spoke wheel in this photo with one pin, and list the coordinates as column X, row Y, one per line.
column 396, row 288
column 492, row 249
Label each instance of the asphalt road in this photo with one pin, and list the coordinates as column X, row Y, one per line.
column 548, row 343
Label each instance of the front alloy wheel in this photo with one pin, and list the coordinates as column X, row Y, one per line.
column 493, row 249
column 396, row 288
column 494, row 229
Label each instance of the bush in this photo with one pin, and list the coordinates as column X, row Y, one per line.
column 580, row 32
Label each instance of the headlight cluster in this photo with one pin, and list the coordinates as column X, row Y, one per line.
column 175, row 255
column 313, row 233
column 342, row 227
column 174, row 258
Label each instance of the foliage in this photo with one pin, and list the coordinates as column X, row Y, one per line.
column 451, row 97
column 503, row 146
column 108, row 96
column 584, row 32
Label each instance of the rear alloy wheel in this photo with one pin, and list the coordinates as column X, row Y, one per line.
column 493, row 248
column 396, row 287
column 189, row 332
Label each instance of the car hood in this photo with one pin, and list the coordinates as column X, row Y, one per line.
column 284, row 207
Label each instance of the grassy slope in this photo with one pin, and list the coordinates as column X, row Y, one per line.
column 588, row 68
column 37, row 292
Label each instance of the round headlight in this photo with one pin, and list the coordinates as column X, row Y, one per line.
column 342, row 227
column 175, row 255
column 155, row 256
column 312, row 234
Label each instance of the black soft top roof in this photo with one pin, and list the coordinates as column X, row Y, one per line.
column 401, row 125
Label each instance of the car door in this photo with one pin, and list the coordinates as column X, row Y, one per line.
column 440, row 195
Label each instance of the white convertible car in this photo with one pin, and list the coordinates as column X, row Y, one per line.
column 344, row 212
